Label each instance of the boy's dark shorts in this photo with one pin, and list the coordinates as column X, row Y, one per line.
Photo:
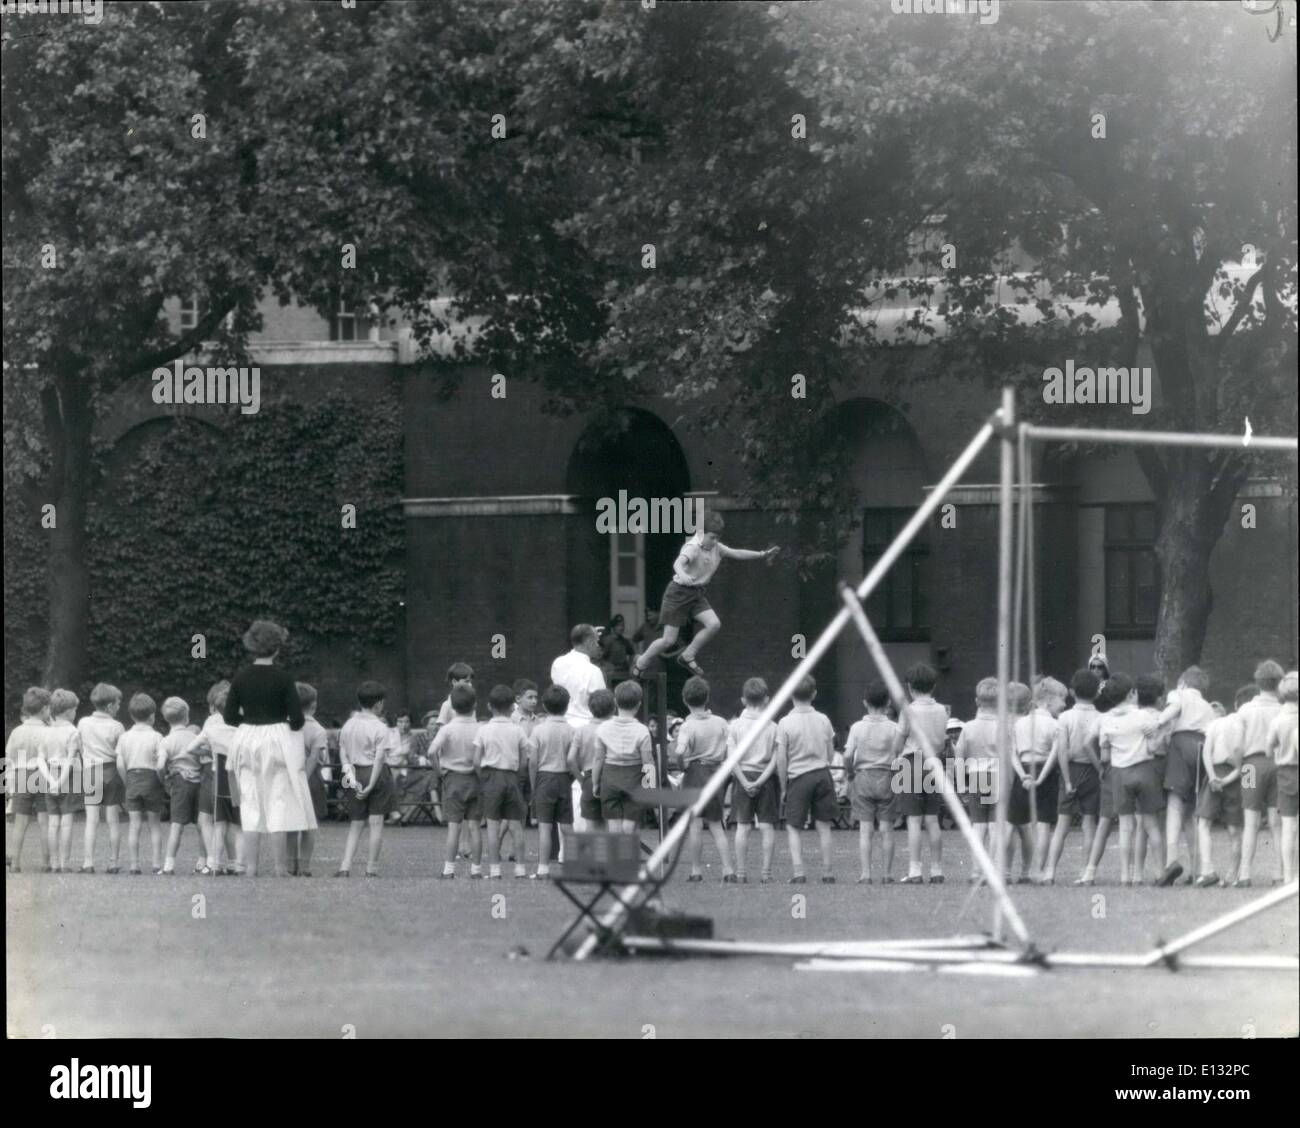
column 1224, row 804
column 144, row 791
column 378, row 802
column 618, row 784
column 500, row 795
column 224, row 810
column 764, row 806
column 60, row 803
column 589, row 802
column 980, row 795
column 872, row 798
column 682, row 604
column 1288, row 780
column 103, row 785
column 1045, row 802
column 1086, row 798
column 698, row 773
column 1260, row 768
column 1180, row 764
column 914, row 799
column 1137, row 789
column 813, row 791
column 184, row 801
column 553, row 798
column 26, row 801
column 460, row 797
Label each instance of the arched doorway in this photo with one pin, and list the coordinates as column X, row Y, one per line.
column 633, row 451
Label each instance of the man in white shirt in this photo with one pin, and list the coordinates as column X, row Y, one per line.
column 579, row 674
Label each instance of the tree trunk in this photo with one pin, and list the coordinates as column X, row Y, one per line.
column 69, row 573
column 1192, row 515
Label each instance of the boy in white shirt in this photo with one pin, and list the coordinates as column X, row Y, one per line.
column 60, row 766
column 1079, row 763
column 140, row 761
column 702, row 746
column 1259, row 798
column 1125, row 733
column 869, row 760
column 756, row 794
column 104, row 789
column 1033, row 765
column 23, row 752
column 1220, row 796
column 1186, row 717
column 1282, row 749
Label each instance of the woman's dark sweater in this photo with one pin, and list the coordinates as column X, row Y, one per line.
column 263, row 695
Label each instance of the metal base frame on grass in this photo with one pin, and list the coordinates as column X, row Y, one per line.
column 956, row 950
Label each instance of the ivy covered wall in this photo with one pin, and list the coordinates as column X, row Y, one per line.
column 196, row 529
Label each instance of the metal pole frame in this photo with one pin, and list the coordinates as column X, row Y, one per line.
column 634, row 895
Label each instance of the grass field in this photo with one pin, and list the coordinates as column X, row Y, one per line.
column 408, row 955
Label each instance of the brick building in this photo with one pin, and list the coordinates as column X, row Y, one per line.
column 503, row 553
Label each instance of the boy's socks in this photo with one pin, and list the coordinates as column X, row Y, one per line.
column 448, row 867
column 475, row 869
column 494, row 870
column 520, row 871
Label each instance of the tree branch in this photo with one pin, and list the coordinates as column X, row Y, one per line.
column 1242, row 308
column 183, row 344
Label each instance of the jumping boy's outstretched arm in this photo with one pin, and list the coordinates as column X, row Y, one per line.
column 748, row 553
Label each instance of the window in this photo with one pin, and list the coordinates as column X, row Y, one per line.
column 343, row 325
column 189, row 312
column 899, row 608
column 1132, row 576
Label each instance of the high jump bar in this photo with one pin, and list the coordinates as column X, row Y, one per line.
column 635, row 894
column 1244, row 442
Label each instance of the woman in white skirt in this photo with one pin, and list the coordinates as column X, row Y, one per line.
column 267, row 755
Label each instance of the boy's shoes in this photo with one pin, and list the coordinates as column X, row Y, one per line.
column 495, row 877
column 158, row 869
column 694, row 878
column 444, row 876
column 1047, row 881
column 911, row 880
column 799, row 879
column 476, row 877
column 690, row 664
column 741, row 879
column 1187, row 879
column 372, row 873
column 1084, row 881
column 766, row 880
column 1171, row 874
column 115, row 868
column 729, row 879
column 342, row 873
column 1242, row 883
column 1206, row 880
column 864, row 881
column 886, row 881
column 50, row 869
column 135, row 870
column 937, row 879
column 1024, row 879
column 828, row 879
column 87, row 869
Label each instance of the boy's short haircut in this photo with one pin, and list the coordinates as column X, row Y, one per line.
column 695, row 692
column 34, row 700
column 805, row 690
column 555, row 700
column 1047, row 689
column 1149, row 688
column 1195, row 678
column 103, row 695
column 755, row 691
column 1118, row 687
column 463, row 700
column 877, row 694
column 582, row 633
column 922, row 677
column 459, row 671
column 1288, row 689
column 1267, row 674
column 501, row 699
column 986, row 693
column 1247, row 692
column 713, row 522
column 306, row 695
column 370, row 694
column 61, row 700
column 217, row 694
column 142, row 707
column 522, row 686
column 601, row 703
column 1084, row 685
column 1019, row 697
column 175, row 711
column 627, row 695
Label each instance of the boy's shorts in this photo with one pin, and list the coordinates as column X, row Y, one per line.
column 813, row 791
column 1137, row 789
column 316, row 789
column 764, row 806
column 872, row 798
column 553, row 798
column 589, row 802
column 914, row 797
column 682, row 604
column 1262, row 792
column 1086, row 797
column 1045, row 803
column 219, row 807
column 500, row 795
column 698, row 773
column 1288, row 779
column 979, row 794
column 1181, row 764
column 378, row 802
column 1224, row 804
column 102, row 785
column 184, row 801
column 460, row 797
column 618, row 783
column 60, row 802
column 25, row 800
column 144, row 791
